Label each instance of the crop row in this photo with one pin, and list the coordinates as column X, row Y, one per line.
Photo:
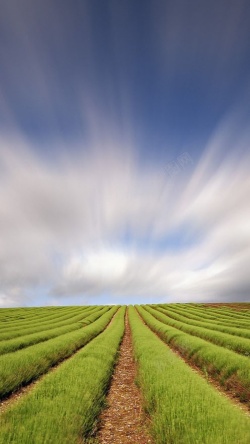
column 231, row 370
column 65, row 404
column 244, row 333
column 23, row 366
column 54, row 323
column 227, row 309
column 234, row 329
column 31, row 339
column 8, row 314
column 219, row 313
column 74, row 394
column 183, row 407
column 39, row 314
column 237, row 344
column 213, row 316
column 37, row 321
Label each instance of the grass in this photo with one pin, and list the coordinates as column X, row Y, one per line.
column 237, row 344
column 68, row 326
column 228, row 368
column 214, row 324
column 245, row 333
column 23, row 366
column 183, row 407
column 12, row 331
column 227, row 309
column 65, row 405
column 217, row 315
column 38, row 317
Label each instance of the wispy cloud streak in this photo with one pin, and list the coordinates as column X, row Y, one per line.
column 94, row 104
column 99, row 222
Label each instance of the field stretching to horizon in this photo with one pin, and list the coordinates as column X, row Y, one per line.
column 159, row 374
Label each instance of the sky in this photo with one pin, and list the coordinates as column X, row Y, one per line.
column 124, row 151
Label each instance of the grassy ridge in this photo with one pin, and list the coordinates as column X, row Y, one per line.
column 204, row 324
column 74, row 394
column 31, row 339
column 228, row 368
column 64, row 405
column 21, row 367
column 227, row 310
column 39, row 318
column 217, row 314
column 16, row 314
column 237, row 344
column 189, row 315
column 183, row 407
column 12, row 331
column 35, row 328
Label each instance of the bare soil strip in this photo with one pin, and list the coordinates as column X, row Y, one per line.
column 124, row 420
column 230, row 394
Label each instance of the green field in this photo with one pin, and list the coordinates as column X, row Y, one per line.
column 192, row 360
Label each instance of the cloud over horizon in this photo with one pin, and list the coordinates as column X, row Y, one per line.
column 99, row 222
column 124, row 151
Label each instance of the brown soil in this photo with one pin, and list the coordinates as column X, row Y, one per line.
column 124, row 420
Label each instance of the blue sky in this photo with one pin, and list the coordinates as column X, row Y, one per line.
column 124, row 151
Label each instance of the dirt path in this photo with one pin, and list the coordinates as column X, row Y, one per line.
column 124, row 421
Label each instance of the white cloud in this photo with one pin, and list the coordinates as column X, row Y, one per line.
column 100, row 223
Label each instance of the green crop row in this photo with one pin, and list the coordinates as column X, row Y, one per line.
column 209, row 315
column 232, row 371
column 42, row 321
column 237, row 344
column 38, row 317
column 23, row 366
column 183, row 407
column 64, row 406
column 213, row 322
column 46, row 325
column 22, row 313
column 31, row 339
column 229, row 311
column 217, row 313
column 244, row 333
